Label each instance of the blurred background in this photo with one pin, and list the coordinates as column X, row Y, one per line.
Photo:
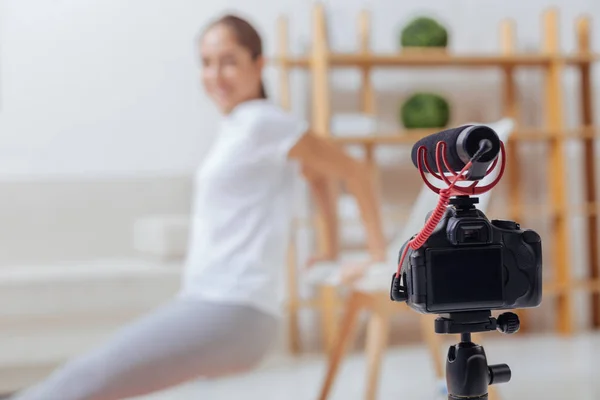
column 103, row 122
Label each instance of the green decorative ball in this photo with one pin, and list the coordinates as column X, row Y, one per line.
column 425, row 110
column 424, row 32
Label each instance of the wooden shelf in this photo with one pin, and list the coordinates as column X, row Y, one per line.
column 531, row 211
column 588, row 285
column 439, row 60
column 411, row 136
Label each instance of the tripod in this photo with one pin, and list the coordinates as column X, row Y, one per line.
column 467, row 372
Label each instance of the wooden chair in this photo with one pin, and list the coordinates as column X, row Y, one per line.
column 371, row 294
column 325, row 296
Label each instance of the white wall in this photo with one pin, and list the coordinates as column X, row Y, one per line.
column 103, row 87
column 111, row 87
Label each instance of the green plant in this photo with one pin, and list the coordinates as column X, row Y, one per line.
column 424, row 32
column 425, row 110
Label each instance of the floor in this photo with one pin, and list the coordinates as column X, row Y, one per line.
column 543, row 367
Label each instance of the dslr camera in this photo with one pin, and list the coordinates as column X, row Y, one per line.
column 470, row 263
column 467, row 262
column 462, row 264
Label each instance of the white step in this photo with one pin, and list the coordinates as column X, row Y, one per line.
column 162, row 236
column 30, row 291
column 52, row 312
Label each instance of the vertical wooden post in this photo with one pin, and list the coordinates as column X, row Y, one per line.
column 321, row 108
column 507, row 34
column 284, row 71
column 589, row 168
column 321, row 104
column 367, row 95
column 510, row 108
column 321, row 116
column 559, row 241
column 293, row 301
column 367, row 92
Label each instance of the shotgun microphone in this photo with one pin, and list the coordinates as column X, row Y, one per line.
column 461, row 145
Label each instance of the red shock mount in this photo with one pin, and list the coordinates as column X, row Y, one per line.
column 446, row 193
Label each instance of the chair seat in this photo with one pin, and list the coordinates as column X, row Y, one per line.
column 329, row 272
column 378, row 276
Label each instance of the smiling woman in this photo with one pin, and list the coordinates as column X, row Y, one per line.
column 232, row 62
column 227, row 314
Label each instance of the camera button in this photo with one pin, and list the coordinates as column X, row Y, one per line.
column 531, row 237
column 504, row 224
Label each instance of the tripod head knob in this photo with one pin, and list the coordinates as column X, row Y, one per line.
column 508, row 323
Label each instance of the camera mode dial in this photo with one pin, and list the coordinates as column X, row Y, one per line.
column 506, row 224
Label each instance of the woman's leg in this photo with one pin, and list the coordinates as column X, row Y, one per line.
column 183, row 340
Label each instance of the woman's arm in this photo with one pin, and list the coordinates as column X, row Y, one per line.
column 328, row 159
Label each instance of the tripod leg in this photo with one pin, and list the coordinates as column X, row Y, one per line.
column 377, row 336
column 353, row 307
column 434, row 343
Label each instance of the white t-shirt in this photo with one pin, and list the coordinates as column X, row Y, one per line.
column 242, row 209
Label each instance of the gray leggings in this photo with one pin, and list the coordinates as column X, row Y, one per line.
column 181, row 341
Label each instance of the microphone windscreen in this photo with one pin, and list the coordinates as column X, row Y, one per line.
column 449, row 136
column 473, row 139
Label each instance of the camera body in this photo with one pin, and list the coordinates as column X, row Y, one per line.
column 469, row 263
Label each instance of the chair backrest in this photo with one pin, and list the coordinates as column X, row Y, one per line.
column 427, row 199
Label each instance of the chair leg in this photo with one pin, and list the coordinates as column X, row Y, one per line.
column 434, row 343
column 493, row 393
column 293, row 299
column 293, row 330
column 329, row 321
column 353, row 308
column 377, row 337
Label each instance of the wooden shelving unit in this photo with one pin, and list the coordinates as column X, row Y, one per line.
column 341, row 60
column 520, row 135
column 321, row 60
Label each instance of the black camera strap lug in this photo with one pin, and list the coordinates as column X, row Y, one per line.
column 398, row 292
